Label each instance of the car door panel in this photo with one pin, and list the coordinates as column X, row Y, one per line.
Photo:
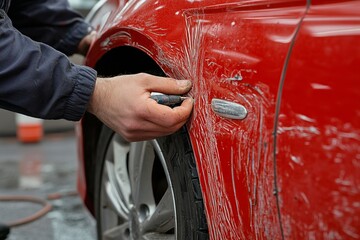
column 318, row 138
column 238, row 54
column 233, row 51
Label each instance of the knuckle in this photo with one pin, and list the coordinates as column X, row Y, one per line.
column 143, row 77
column 143, row 115
column 142, row 112
column 130, row 126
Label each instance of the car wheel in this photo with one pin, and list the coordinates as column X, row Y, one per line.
column 148, row 190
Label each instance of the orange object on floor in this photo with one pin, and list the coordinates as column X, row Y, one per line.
column 29, row 129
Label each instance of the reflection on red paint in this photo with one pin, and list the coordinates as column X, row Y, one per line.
column 237, row 51
column 319, row 130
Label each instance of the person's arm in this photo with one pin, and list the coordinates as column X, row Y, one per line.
column 50, row 21
column 39, row 81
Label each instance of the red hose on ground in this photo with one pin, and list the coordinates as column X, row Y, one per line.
column 46, row 206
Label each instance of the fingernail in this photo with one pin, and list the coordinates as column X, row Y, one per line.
column 183, row 83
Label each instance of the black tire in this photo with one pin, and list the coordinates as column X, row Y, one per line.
column 177, row 171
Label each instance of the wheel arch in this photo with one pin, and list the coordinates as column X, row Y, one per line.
column 112, row 63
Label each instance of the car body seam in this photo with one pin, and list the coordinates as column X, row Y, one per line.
column 277, row 112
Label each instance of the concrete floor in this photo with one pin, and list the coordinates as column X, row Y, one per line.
column 38, row 170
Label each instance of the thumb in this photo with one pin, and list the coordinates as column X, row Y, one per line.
column 168, row 85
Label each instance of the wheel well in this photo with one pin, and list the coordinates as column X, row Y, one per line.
column 118, row 61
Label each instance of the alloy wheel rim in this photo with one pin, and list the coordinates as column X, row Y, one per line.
column 135, row 201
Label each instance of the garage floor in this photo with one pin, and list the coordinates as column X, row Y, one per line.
column 38, row 170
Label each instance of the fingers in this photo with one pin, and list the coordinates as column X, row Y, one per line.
column 145, row 129
column 85, row 43
column 166, row 117
column 166, row 85
column 123, row 103
column 155, row 121
column 134, row 136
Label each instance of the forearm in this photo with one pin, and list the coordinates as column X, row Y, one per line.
column 39, row 81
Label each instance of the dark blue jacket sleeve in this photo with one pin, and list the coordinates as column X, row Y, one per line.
column 39, row 81
column 49, row 21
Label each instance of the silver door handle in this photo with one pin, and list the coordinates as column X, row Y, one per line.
column 227, row 109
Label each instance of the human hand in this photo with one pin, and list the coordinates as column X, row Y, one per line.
column 85, row 43
column 123, row 103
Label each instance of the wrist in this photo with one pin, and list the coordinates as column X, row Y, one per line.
column 97, row 96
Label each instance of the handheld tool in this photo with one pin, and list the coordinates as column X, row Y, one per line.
column 167, row 100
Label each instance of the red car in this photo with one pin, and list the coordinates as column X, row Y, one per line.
column 272, row 149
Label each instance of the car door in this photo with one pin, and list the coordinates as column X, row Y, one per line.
column 318, row 130
column 237, row 53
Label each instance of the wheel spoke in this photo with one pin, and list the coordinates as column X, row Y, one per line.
column 121, row 151
column 118, row 232
column 163, row 218
column 141, row 161
column 113, row 196
column 158, row 236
